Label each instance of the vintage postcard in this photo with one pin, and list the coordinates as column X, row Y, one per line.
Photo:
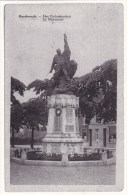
column 64, row 79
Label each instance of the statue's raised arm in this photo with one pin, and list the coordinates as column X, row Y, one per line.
column 66, row 53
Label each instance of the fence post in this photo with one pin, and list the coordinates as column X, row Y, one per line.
column 104, row 157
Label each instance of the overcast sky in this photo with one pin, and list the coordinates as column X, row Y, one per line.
column 94, row 34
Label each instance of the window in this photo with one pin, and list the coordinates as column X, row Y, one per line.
column 90, row 137
column 97, row 135
column 84, row 134
column 112, row 134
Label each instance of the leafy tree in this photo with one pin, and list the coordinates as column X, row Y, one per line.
column 35, row 113
column 16, row 86
column 16, row 120
column 16, row 109
column 98, row 94
column 41, row 87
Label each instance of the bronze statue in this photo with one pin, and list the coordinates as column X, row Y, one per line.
column 64, row 68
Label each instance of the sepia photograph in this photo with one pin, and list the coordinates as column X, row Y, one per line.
column 64, row 68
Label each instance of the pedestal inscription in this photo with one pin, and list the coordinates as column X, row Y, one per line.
column 69, row 115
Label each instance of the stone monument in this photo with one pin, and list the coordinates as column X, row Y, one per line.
column 63, row 128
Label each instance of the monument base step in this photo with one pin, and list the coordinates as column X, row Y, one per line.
column 60, row 146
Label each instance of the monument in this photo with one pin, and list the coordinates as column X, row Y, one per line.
column 63, row 128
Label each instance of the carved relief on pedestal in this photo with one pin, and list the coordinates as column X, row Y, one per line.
column 69, row 115
column 63, row 101
column 58, row 120
column 58, row 101
column 69, row 120
column 58, row 124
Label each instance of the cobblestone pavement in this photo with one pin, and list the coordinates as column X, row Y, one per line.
column 49, row 175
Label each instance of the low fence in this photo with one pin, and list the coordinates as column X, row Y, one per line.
column 57, row 163
column 91, row 156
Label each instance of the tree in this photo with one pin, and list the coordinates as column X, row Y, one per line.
column 16, row 109
column 35, row 113
column 16, row 86
column 41, row 87
column 98, row 94
column 16, row 120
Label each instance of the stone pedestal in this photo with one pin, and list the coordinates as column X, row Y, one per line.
column 63, row 128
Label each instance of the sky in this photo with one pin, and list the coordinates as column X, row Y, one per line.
column 94, row 31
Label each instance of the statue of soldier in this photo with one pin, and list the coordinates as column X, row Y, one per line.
column 64, row 68
column 59, row 61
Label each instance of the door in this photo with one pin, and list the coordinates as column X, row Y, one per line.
column 90, row 134
column 104, row 136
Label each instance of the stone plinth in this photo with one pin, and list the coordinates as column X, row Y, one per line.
column 63, row 128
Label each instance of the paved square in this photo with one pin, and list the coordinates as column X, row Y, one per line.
column 50, row 175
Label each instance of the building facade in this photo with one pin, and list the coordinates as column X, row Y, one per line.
column 98, row 135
